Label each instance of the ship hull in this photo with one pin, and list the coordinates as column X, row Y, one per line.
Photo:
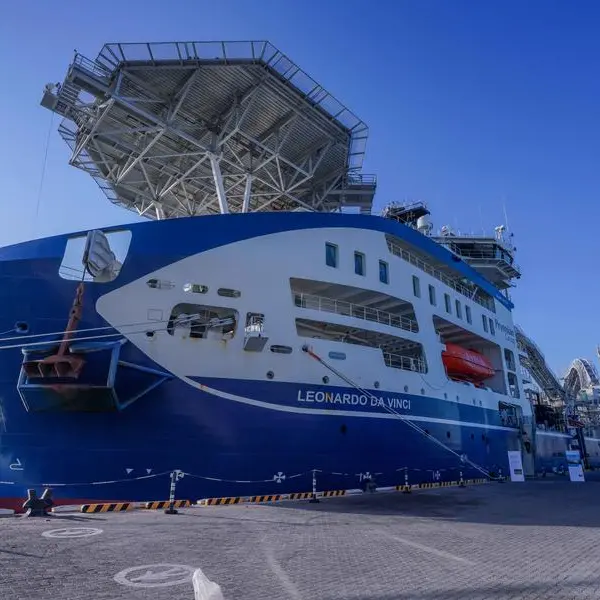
column 236, row 423
column 232, row 449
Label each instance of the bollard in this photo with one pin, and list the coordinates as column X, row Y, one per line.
column 175, row 476
column 500, row 478
column 406, row 489
column 461, row 481
column 38, row 507
column 314, row 499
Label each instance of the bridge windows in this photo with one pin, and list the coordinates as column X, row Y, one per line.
column 484, row 320
column 492, row 328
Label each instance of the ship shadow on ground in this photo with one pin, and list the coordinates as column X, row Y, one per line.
column 544, row 502
column 500, row 591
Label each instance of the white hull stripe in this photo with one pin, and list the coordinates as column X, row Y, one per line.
column 563, row 435
column 337, row 413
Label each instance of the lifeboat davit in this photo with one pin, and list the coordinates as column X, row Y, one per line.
column 466, row 365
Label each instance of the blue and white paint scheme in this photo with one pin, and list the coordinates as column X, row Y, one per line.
column 210, row 407
column 189, row 342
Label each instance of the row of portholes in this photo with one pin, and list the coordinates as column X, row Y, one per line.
column 193, row 288
column 484, row 438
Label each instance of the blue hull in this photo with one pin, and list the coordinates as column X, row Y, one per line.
column 227, row 448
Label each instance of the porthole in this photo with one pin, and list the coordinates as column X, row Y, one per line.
column 446, row 395
column 150, row 334
column 422, row 391
column 472, row 436
column 343, row 429
column 278, row 349
column 21, row 327
column 376, row 385
column 195, row 288
column 229, row 293
column 448, row 434
column 325, row 379
column 270, row 374
column 406, row 388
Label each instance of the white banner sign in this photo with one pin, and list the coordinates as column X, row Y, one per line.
column 515, row 465
column 575, row 466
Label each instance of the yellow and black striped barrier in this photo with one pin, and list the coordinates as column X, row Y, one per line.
column 328, row 494
column 165, row 504
column 299, row 496
column 438, row 484
column 112, row 507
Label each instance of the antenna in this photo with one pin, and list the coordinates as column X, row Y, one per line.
column 481, row 221
column 505, row 213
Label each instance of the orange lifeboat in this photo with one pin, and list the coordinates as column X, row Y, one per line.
column 466, row 365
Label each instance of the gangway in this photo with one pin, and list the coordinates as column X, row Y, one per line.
column 190, row 128
column 534, row 361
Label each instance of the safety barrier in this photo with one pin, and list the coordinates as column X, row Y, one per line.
column 112, row 507
column 335, row 493
column 156, row 505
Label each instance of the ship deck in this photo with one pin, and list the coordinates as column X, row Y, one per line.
column 490, row 541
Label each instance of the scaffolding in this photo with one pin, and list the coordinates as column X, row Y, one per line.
column 189, row 128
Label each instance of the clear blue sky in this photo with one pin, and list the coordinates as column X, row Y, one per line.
column 470, row 105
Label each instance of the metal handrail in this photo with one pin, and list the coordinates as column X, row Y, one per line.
column 421, row 264
column 408, row 363
column 359, row 311
column 91, row 65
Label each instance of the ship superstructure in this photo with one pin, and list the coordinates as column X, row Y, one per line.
column 262, row 326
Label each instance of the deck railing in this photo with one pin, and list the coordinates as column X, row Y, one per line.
column 358, row 311
column 486, row 302
column 408, row 363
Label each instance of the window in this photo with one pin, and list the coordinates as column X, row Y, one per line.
column 384, row 272
column 195, row 288
column 432, row 300
column 492, row 328
column 485, row 323
column 278, row 349
column 509, row 357
column 468, row 314
column 359, row 263
column 458, row 309
column 447, row 304
column 416, row 286
column 331, row 255
column 229, row 293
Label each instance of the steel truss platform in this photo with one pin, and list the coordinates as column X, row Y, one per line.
column 190, row 128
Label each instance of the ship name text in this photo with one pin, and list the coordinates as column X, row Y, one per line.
column 507, row 331
column 320, row 397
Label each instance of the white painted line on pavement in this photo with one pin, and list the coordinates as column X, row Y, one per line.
column 283, row 577
column 428, row 549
